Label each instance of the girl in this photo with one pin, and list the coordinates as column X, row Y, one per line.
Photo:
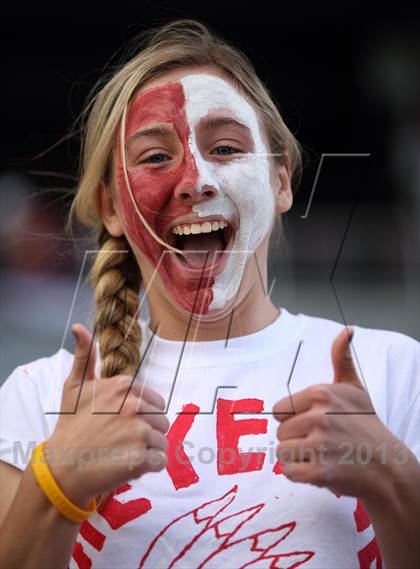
column 177, row 459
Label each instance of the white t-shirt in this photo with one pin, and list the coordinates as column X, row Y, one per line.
column 209, row 509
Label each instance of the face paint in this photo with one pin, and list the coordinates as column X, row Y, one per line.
column 153, row 189
column 244, row 183
column 239, row 187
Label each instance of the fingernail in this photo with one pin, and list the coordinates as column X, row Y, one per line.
column 75, row 334
column 163, row 456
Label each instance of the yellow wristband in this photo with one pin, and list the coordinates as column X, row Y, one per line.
column 53, row 491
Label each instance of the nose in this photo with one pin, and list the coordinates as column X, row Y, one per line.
column 190, row 194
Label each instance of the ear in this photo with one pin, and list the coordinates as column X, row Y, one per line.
column 108, row 212
column 283, row 189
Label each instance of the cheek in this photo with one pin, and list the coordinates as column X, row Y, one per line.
column 247, row 184
column 153, row 193
column 150, row 193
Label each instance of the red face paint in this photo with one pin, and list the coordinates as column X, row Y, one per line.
column 153, row 190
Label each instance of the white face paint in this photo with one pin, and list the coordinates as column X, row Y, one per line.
column 243, row 183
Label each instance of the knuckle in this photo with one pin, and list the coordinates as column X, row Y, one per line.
column 277, row 409
column 322, row 393
column 164, row 445
column 131, row 405
column 165, row 423
column 137, row 470
column 157, row 400
column 321, row 421
column 143, row 429
column 140, row 404
column 319, row 439
column 283, row 407
column 142, row 408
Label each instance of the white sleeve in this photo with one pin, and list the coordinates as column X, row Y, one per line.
column 27, row 397
column 23, row 423
column 404, row 392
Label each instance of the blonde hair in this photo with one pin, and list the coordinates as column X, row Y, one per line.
column 115, row 274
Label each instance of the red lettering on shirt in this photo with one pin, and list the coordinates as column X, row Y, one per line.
column 361, row 517
column 92, row 535
column 278, row 467
column 79, row 555
column 118, row 513
column 229, row 431
column 368, row 554
column 179, row 466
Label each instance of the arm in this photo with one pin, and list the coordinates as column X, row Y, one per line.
column 395, row 512
column 326, row 416
column 33, row 533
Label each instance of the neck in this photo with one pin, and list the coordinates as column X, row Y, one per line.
column 253, row 313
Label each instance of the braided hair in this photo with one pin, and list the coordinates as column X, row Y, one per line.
column 115, row 277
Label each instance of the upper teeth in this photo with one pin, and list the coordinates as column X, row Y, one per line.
column 195, row 228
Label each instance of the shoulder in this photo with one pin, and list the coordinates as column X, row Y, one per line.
column 394, row 344
column 29, row 405
column 57, row 365
column 43, row 374
column 384, row 358
column 387, row 362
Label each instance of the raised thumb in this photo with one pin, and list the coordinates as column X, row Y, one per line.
column 342, row 361
column 84, row 355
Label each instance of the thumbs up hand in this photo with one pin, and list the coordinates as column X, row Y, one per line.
column 331, row 437
column 344, row 370
column 109, row 430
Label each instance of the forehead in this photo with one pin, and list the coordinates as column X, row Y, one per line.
column 196, row 95
column 207, row 94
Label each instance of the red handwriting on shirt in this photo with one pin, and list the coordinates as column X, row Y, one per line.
column 216, row 531
column 229, row 429
column 371, row 551
column 116, row 514
column 179, row 466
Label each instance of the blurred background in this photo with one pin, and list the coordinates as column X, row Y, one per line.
column 347, row 82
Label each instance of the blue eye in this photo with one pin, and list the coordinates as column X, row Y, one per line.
column 157, row 158
column 225, row 150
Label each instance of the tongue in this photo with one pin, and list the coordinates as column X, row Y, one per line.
column 202, row 247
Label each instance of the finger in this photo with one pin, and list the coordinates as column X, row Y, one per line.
column 155, row 439
column 298, row 426
column 151, row 396
column 153, row 416
column 342, row 361
column 293, row 450
column 134, row 386
column 155, row 459
column 84, row 355
column 290, row 406
column 302, row 472
column 284, row 408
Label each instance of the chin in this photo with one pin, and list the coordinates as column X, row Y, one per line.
column 198, row 304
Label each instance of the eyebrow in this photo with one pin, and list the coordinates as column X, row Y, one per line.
column 216, row 122
column 158, row 130
column 207, row 123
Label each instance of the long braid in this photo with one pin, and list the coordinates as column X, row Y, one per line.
column 116, row 279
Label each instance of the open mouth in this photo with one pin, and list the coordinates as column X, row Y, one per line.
column 206, row 245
